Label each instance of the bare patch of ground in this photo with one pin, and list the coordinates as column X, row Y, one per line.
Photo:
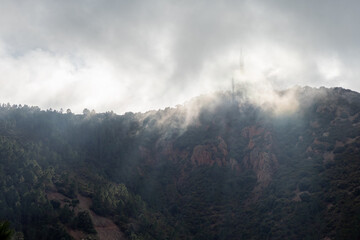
column 105, row 227
column 58, row 196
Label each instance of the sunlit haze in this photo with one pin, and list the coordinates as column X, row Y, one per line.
column 142, row 55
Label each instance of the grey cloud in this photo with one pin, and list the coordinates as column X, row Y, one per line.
column 159, row 53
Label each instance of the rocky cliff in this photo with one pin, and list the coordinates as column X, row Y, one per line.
column 216, row 167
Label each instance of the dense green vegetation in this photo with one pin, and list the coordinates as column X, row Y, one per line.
column 5, row 231
column 227, row 171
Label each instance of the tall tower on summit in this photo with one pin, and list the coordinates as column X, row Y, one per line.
column 232, row 89
column 242, row 65
column 242, row 71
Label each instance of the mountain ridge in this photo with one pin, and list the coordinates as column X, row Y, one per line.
column 216, row 167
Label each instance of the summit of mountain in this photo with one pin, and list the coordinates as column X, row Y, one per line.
column 243, row 165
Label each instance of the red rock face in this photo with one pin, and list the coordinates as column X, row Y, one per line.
column 210, row 154
column 261, row 157
column 263, row 163
column 203, row 155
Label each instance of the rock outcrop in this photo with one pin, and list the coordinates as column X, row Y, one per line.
column 261, row 157
column 210, row 154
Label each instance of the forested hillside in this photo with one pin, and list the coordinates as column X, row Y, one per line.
column 217, row 167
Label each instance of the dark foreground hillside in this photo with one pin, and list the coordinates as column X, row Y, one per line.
column 219, row 167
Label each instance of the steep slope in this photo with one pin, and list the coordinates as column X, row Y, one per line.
column 214, row 168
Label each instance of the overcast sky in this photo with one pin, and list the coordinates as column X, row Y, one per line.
column 141, row 55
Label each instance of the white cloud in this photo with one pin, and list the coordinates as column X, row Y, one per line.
column 329, row 67
column 140, row 55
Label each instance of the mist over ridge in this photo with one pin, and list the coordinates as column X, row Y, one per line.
column 136, row 56
column 227, row 165
column 181, row 120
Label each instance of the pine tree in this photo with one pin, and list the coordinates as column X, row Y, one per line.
column 5, row 231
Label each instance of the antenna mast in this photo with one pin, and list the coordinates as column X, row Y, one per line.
column 242, row 65
column 242, row 70
column 232, row 89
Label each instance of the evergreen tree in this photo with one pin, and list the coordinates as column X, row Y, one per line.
column 5, row 231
